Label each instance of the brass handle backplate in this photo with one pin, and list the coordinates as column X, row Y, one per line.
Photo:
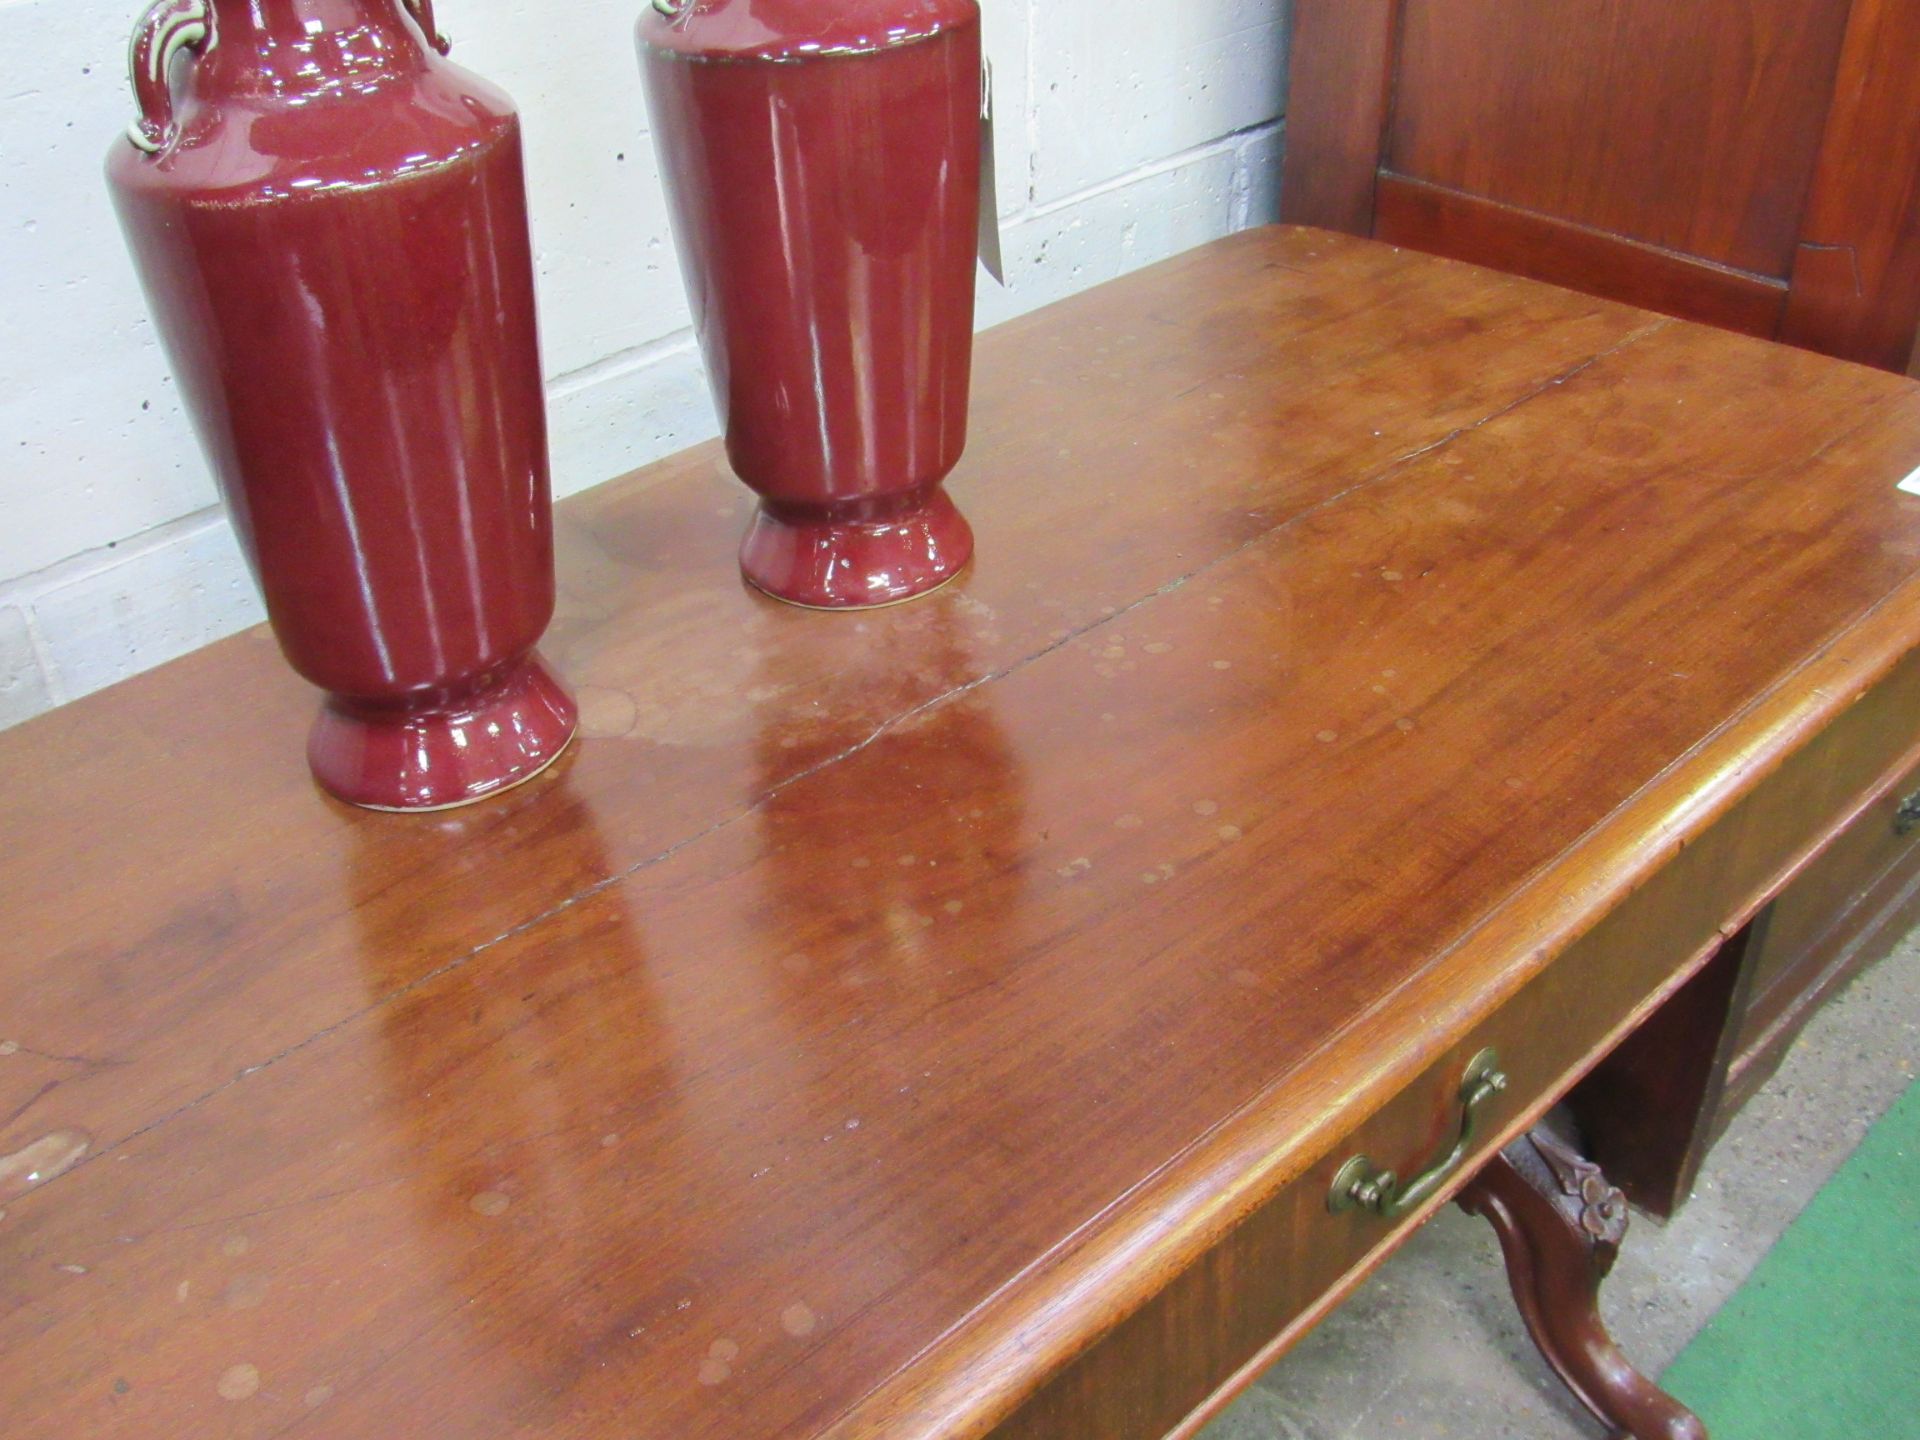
column 1907, row 818
column 1361, row 1186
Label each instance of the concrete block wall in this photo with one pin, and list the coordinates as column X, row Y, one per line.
column 1127, row 130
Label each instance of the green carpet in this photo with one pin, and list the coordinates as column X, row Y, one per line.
column 1823, row 1339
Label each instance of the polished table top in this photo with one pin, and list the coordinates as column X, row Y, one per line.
column 872, row 1009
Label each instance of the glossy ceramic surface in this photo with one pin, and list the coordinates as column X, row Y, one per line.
column 447, row 749
column 332, row 232
column 792, row 30
column 823, row 166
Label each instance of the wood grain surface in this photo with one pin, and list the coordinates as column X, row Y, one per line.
column 1542, row 247
column 1340, row 57
column 1856, row 273
column 875, row 1011
column 1693, row 128
column 1754, row 166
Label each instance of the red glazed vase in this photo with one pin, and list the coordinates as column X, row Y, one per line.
column 822, row 160
column 330, row 223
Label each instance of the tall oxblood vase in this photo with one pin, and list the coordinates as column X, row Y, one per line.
column 822, row 159
column 330, row 223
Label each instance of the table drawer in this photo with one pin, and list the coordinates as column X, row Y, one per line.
column 1829, row 908
column 1219, row 1321
column 1291, row 1259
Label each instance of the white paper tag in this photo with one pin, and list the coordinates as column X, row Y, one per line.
column 989, row 192
column 1911, row 484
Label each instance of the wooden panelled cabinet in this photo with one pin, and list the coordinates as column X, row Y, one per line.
column 1749, row 163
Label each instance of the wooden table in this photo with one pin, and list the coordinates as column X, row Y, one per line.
column 949, row 1021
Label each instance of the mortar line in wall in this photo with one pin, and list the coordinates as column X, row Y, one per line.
column 621, row 362
column 96, row 559
column 1220, row 144
column 1243, row 173
column 50, row 678
column 682, row 341
column 1031, row 119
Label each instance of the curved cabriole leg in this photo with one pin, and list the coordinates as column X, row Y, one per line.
column 1560, row 1225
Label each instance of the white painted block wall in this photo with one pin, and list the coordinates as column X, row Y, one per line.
column 1128, row 130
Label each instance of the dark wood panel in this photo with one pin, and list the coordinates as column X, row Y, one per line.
column 1844, row 911
column 875, row 1011
column 1447, row 222
column 1646, row 1106
column 1692, row 127
column 1773, row 141
column 1657, row 1102
column 1815, row 912
column 1873, row 925
column 1338, row 87
column 1856, row 276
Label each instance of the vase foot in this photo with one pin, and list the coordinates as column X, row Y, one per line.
column 823, row 560
column 446, row 754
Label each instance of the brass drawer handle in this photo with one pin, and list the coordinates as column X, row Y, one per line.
column 1360, row 1186
column 1907, row 818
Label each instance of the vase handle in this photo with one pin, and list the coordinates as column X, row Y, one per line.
column 422, row 12
column 167, row 28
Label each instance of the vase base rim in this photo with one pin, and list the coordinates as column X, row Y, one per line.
column 534, row 774
column 848, row 608
column 444, row 757
column 815, row 561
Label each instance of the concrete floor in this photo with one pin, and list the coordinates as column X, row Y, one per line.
column 1431, row 1347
